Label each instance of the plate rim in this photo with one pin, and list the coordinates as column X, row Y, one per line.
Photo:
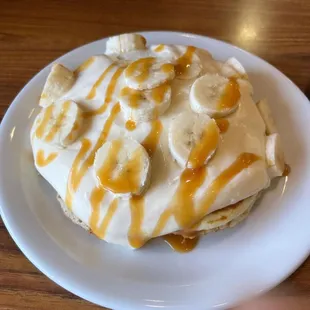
column 31, row 254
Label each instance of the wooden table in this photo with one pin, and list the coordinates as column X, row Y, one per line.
column 33, row 33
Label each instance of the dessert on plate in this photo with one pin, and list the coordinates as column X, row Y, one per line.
column 161, row 140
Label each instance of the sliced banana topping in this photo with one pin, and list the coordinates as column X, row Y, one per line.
column 207, row 61
column 274, row 156
column 193, row 139
column 188, row 66
column 125, row 43
column 60, row 123
column 169, row 52
column 126, row 59
column 147, row 73
column 58, row 82
column 187, row 62
column 266, row 115
column 233, row 68
column 123, row 167
column 145, row 105
column 214, row 95
column 224, row 216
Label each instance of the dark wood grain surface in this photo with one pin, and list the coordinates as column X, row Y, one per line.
column 33, row 33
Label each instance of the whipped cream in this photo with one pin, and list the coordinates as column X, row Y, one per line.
column 237, row 169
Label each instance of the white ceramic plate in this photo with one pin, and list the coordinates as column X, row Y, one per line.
column 224, row 269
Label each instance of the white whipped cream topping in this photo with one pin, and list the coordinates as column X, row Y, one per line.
column 246, row 133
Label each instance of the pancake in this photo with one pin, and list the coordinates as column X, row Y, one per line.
column 134, row 151
column 227, row 217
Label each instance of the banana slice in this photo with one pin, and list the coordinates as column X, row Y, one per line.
column 58, row 82
column 168, row 52
column 147, row 73
column 193, row 139
column 222, row 217
column 233, row 68
column 145, row 105
column 129, row 57
column 188, row 66
column 214, row 95
column 209, row 65
column 123, row 167
column 118, row 60
column 60, row 123
column 125, row 43
column 274, row 156
column 187, row 72
column 187, row 62
column 266, row 115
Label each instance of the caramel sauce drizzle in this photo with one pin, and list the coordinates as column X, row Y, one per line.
column 107, row 219
column 73, row 176
column 76, row 127
column 223, row 124
column 287, row 170
column 183, row 200
column 77, row 172
column 180, row 244
column 162, row 222
column 135, row 96
column 135, row 234
column 130, row 125
column 205, row 147
column 42, row 126
column 151, row 141
column 108, row 96
column 158, row 93
column 182, row 207
column 58, row 123
column 140, row 69
column 242, row 162
column 42, row 161
column 167, row 68
column 159, row 48
column 184, row 62
column 84, row 65
column 96, row 197
column 230, row 96
column 128, row 178
column 93, row 90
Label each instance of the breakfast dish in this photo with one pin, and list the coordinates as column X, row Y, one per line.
column 266, row 248
column 160, row 140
